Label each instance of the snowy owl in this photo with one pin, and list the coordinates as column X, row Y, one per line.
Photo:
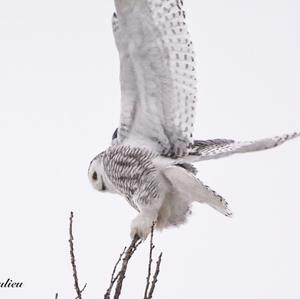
column 150, row 158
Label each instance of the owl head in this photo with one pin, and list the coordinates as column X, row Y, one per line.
column 96, row 170
column 96, row 173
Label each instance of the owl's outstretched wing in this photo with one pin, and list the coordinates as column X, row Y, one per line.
column 157, row 74
column 219, row 148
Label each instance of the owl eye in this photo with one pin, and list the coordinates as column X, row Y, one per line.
column 95, row 176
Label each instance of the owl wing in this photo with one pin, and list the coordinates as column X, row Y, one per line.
column 157, row 74
column 219, row 148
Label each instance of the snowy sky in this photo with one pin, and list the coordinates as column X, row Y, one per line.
column 59, row 105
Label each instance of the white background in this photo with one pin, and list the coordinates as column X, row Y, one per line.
column 59, row 93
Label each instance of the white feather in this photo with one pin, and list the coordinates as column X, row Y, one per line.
column 158, row 82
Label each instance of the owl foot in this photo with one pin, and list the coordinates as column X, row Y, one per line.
column 141, row 226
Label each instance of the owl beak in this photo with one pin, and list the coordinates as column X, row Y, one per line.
column 103, row 186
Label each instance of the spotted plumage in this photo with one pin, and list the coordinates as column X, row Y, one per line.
column 150, row 160
column 131, row 171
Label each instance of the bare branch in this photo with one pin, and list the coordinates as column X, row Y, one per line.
column 81, row 291
column 136, row 241
column 150, row 263
column 83, row 288
column 56, row 296
column 149, row 293
column 75, row 276
column 124, row 257
column 113, row 277
column 155, row 276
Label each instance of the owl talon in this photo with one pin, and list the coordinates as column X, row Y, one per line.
column 141, row 226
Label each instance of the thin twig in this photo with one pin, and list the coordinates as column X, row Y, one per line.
column 136, row 241
column 81, row 291
column 150, row 263
column 113, row 276
column 155, row 276
column 75, row 276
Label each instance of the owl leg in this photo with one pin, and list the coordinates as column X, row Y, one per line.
column 142, row 224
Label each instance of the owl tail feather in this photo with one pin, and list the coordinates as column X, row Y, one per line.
column 195, row 190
